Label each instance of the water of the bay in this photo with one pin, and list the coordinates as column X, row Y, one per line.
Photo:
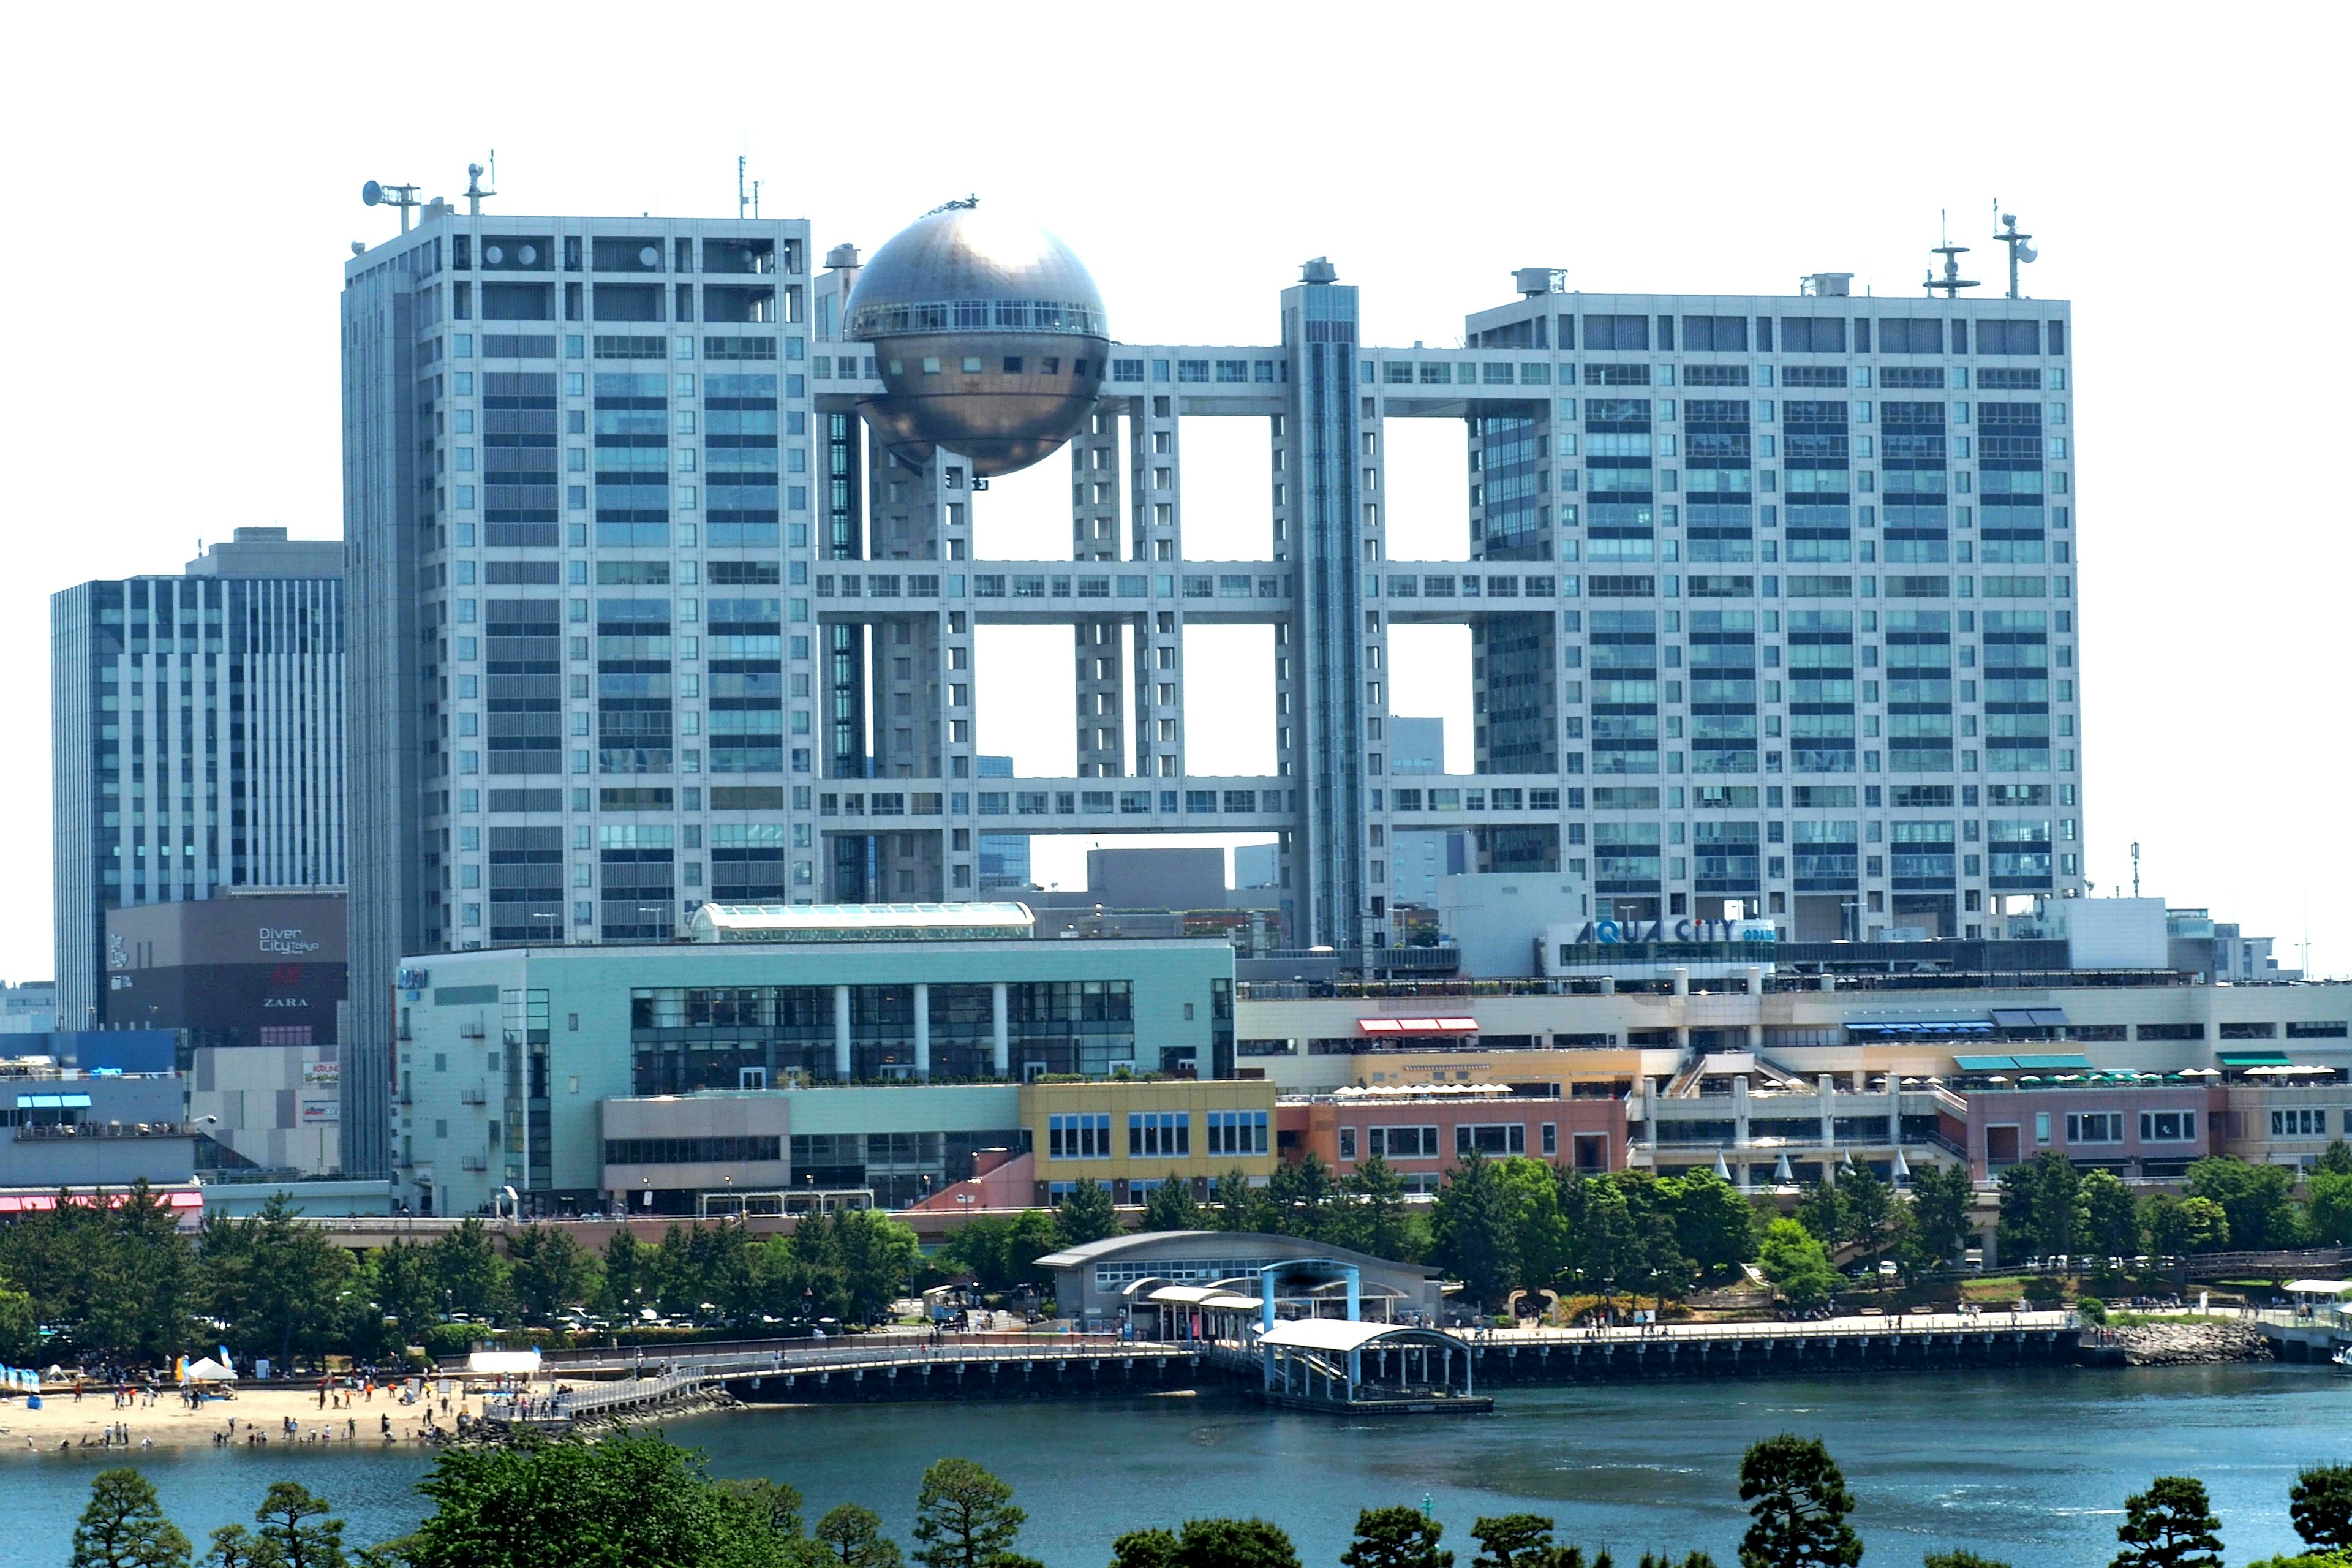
column 2029, row 1466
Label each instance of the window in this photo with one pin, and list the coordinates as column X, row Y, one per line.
column 1151, row 1132
column 1812, row 334
column 1493, row 1138
column 1078, row 1137
column 2167, row 1126
column 2170, row 1032
column 1346, row 1143
column 1404, row 1142
column 2095, row 1127
column 1617, row 332
column 2308, row 1124
column 1237, row 1131
column 2332, row 1030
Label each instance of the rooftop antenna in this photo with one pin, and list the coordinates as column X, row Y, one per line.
column 755, row 198
column 741, row 200
column 2021, row 248
column 1952, row 282
column 2134, row 842
column 377, row 194
column 474, row 191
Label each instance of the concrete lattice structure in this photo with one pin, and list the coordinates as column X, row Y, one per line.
column 667, row 589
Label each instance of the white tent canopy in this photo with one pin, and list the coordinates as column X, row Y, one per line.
column 208, row 1370
column 2318, row 1287
column 503, row 1363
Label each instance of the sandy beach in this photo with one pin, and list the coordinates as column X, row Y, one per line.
column 254, row 1413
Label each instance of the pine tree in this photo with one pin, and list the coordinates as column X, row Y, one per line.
column 295, row 1529
column 2320, row 1504
column 1169, row 1206
column 1396, row 1538
column 2171, row 1525
column 1796, row 1495
column 123, row 1526
column 853, row 1536
column 964, row 1518
column 1086, row 1214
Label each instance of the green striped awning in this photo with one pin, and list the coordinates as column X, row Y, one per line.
column 2254, row 1060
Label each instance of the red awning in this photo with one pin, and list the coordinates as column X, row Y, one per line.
column 1418, row 1025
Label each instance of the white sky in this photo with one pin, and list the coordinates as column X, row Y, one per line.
column 185, row 183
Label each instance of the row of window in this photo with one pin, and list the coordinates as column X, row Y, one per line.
column 1086, row 1135
column 691, row 1151
column 1495, row 1139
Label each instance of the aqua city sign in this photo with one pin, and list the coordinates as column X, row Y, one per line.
column 1615, row 932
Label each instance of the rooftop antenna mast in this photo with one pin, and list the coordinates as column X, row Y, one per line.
column 377, row 194
column 2134, row 842
column 755, row 198
column 1952, row 282
column 2021, row 248
column 474, row 191
column 741, row 201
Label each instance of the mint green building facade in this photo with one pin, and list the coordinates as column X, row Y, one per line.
column 506, row 1058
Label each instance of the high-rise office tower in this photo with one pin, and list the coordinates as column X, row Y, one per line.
column 667, row 589
column 198, row 740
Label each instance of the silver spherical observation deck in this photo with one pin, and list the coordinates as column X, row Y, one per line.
column 990, row 336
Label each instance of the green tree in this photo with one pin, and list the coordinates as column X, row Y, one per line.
column 1374, row 1215
column 1539, row 1231
column 1515, row 1541
column 550, row 1272
column 399, row 1280
column 852, row 1537
column 295, row 1530
column 629, row 1499
column 468, row 1271
column 2259, row 1200
column 2320, row 1504
column 1797, row 1496
column 20, row 1333
column 775, row 1504
column 1472, row 1227
column 632, row 1275
column 2178, row 1228
column 1604, row 1243
column 878, row 1256
column 2330, row 1200
column 2037, row 1207
column 1959, row 1558
column 2336, row 1160
column 1396, row 1538
column 1667, row 1560
column 233, row 1546
column 1207, row 1543
column 1304, row 1197
column 1942, row 1198
column 1796, row 1264
column 1235, row 1204
column 1874, row 1221
column 123, row 1526
column 2171, row 1525
column 1821, row 1209
column 1002, row 1252
column 1152, row 1548
column 1655, row 1264
column 276, row 1282
column 964, row 1517
column 1171, row 1206
column 1086, row 1215
column 2106, row 1217
column 1714, row 1225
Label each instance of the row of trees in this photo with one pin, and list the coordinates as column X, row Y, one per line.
column 2048, row 1209
column 639, row 1503
column 119, row 1282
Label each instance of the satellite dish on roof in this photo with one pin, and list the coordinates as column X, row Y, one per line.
column 2027, row 253
column 371, row 193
